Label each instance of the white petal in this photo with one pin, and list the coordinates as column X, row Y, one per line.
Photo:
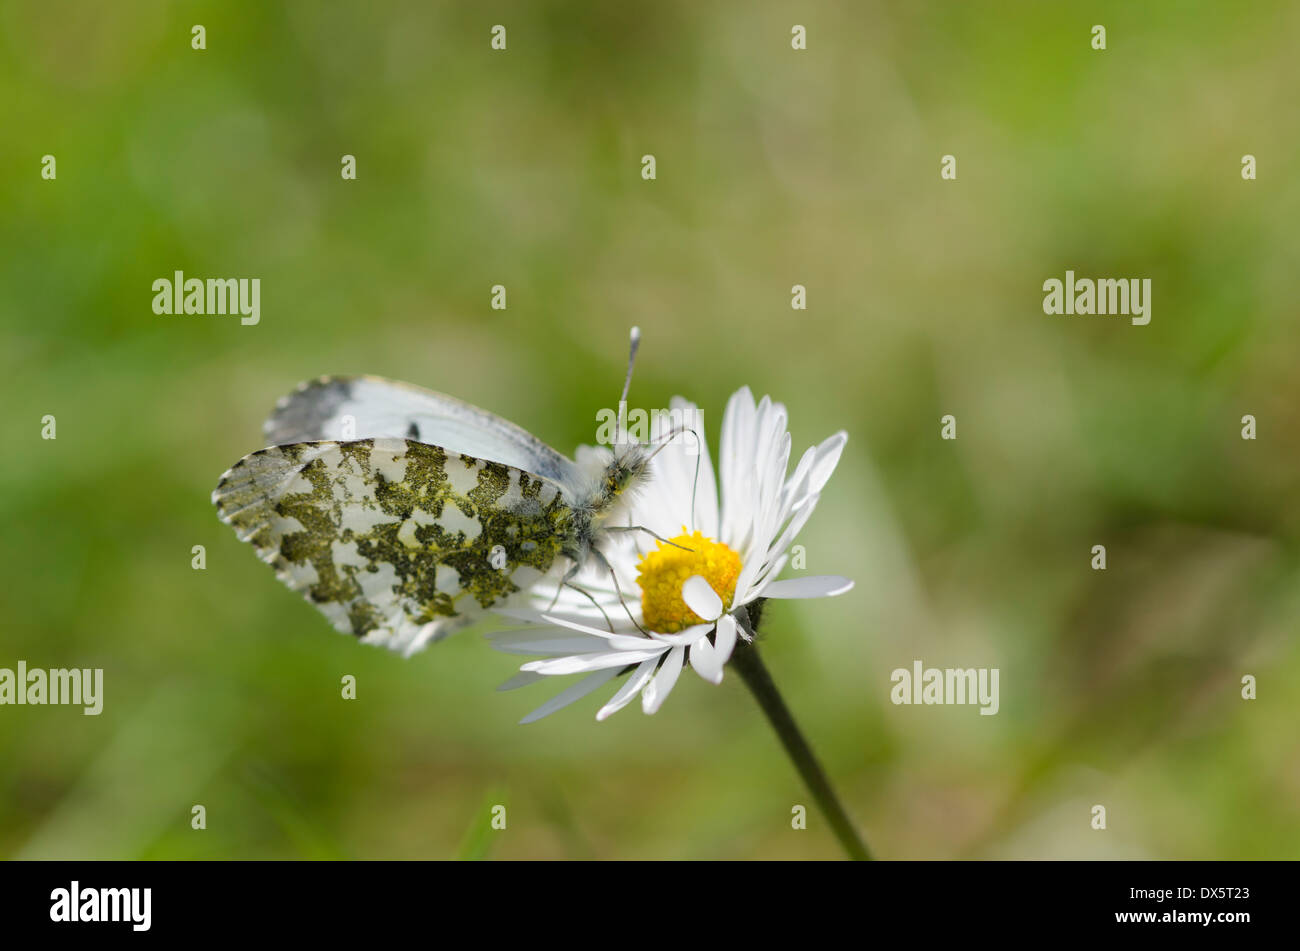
column 769, row 572
column 704, row 658
column 828, row 457
column 725, row 640
column 548, row 642
column 521, row 680
column 795, row 485
column 581, row 663
column 681, row 471
column 762, row 562
column 635, row 682
column 811, row 475
column 685, row 637
column 704, row 487
column 579, row 690
column 519, row 614
column 575, row 626
column 736, row 460
column 701, row 598
column 814, row 586
column 754, row 571
column 658, row 689
column 802, row 512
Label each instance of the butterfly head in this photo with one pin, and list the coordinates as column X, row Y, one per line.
column 630, row 465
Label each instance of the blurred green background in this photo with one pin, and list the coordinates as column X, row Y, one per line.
column 775, row 167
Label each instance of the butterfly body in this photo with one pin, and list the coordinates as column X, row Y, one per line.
column 437, row 512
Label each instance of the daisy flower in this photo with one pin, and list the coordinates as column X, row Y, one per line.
column 690, row 560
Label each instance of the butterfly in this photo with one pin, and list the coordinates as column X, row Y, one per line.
column 404, row 514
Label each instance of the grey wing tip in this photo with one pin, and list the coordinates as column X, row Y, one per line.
column 299, row 416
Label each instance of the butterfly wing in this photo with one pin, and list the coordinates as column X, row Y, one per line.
column 365, row 407
column 395, row 541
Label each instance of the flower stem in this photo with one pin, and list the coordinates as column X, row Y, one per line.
column 753, row 672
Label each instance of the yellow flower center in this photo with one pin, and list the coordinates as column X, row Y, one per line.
column 662, row 573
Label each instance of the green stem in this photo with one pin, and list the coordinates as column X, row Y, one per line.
column 746, row 662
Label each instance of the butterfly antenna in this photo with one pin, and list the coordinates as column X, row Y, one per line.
column 668, row 437
column 631, row 361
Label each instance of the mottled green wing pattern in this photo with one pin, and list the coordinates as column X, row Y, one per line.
column 395, row 541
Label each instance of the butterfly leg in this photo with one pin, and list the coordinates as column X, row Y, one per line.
column 564, row 583
column 597, row 553
column 642, row 528
column 587, row 594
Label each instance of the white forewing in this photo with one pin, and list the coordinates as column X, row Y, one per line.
column 371, row 407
